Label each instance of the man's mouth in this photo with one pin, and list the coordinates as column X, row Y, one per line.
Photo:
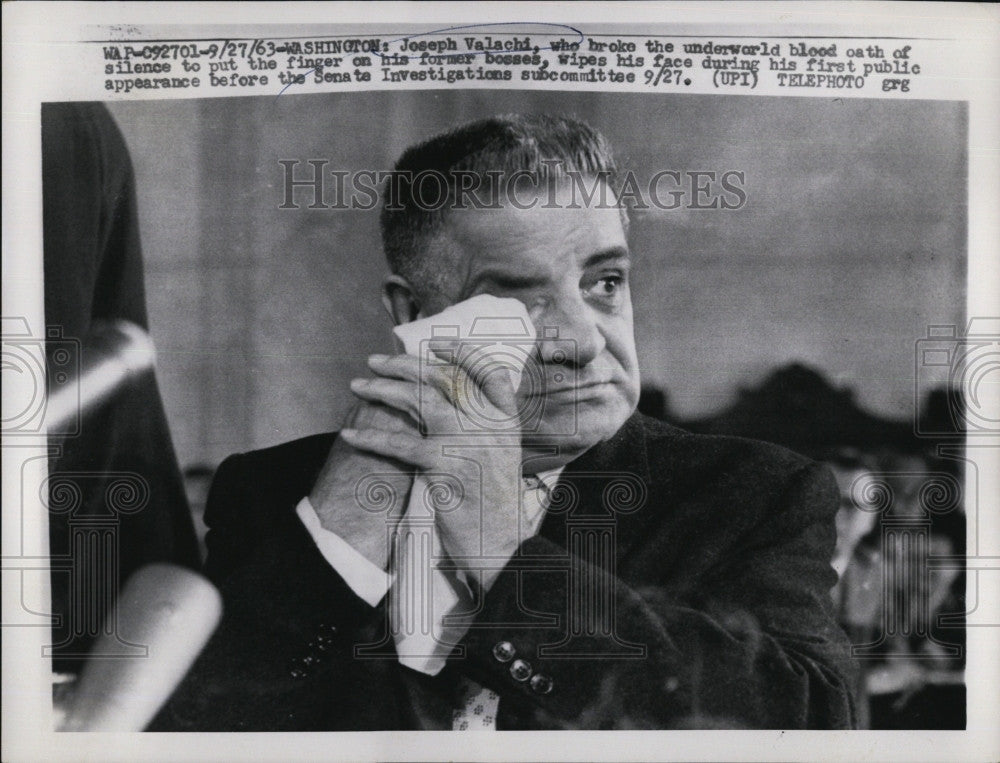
column 575, row 391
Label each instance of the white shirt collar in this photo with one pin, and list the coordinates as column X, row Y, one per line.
column 534, row 507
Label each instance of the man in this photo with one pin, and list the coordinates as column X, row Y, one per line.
column 589, row 568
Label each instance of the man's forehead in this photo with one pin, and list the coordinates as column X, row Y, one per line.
column 534, row 237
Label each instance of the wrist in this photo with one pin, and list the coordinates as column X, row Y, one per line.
column 372, row 546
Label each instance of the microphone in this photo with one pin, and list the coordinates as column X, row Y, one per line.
column 171, row 610
column 114, row 353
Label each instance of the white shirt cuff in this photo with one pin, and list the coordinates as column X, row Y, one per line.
column 427, row 652
column 366, row 579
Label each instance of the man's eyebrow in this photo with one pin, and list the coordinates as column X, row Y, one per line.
column 505, row 279
column 613, row 253
column 514, row 280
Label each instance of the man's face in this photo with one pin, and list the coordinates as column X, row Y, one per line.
column 570, row 267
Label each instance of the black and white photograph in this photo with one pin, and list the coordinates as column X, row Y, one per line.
column 377, row 402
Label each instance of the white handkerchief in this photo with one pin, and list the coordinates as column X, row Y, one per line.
column 496, row 328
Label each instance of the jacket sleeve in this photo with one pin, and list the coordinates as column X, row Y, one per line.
column 284, row 655
column 752, row 645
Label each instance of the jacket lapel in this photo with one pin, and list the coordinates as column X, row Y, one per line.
column 610, row 482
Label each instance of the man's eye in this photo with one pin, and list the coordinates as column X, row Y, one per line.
column 607, row 288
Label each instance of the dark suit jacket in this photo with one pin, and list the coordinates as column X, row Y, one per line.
column 718, row 563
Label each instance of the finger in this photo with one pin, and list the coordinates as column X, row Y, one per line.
column 395, row 393
column 481, row 378
column 371, row 414
column 402, row 366
column 427, row 406
column 447, row 368
column 354, row 415
column 476, row 376
column 407, row 447
column 434, row 372
column 494, row 379
column 445, row 349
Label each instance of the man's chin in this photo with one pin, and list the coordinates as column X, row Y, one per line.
column 572, row 432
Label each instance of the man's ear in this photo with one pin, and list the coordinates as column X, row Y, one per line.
column 399, row 300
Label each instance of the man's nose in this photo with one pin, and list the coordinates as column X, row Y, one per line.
column 569, row 333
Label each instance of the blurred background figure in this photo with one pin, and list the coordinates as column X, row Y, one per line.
column 127, row 505
column 854, row 523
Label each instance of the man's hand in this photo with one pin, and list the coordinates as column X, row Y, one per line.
column 339, row 493
column 485, row 463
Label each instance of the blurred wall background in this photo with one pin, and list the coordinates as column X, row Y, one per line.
column 851, row 243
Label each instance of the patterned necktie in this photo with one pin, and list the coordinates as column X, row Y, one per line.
column 476, row 709
column 476, row 706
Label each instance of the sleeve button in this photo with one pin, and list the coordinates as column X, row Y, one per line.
column 541, row 683
column 298, row 673
column 520, row 670
column 504, row 651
